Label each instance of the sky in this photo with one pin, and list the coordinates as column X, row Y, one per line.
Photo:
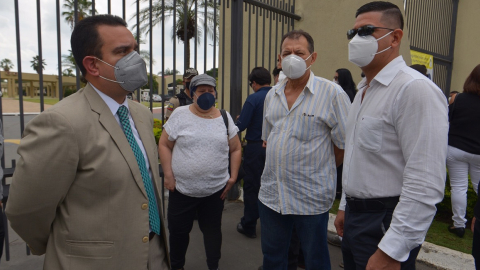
column 29, row 36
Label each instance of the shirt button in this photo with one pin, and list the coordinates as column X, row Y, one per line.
column 144, row 206
column 145, row 239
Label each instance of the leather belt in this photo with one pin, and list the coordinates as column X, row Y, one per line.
column 375, row 204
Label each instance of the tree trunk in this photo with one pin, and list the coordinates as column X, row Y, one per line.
column 187, row 54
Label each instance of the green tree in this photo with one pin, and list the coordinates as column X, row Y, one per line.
column 211, row 71
column 84, row 10
column 68, row 60
column 68, row 72
column 180, row 12
column 36, row 65
column 168, row 72
column 6, row 64
column 155, row 84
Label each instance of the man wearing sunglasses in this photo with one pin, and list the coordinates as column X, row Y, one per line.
column 396, row 144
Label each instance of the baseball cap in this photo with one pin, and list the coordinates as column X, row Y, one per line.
column 190, row 72
column 202, row 79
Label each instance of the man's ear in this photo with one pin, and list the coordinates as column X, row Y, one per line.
column 314, row 57
column 397, row 37
column 90, row 65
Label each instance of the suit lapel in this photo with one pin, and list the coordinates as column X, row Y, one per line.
column 108, row 121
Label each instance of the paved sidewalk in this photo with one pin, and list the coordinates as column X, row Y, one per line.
column 11, row 106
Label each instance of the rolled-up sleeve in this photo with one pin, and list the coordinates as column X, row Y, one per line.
column 421, row 120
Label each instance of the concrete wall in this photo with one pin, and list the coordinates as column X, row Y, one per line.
column 467, row 40
column 327, row 21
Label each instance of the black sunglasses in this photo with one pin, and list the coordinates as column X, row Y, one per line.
column 363, row 31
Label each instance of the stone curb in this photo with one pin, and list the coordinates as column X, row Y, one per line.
column 431, row 254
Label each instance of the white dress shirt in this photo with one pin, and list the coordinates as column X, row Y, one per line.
column 300, row 173
column 396, row 145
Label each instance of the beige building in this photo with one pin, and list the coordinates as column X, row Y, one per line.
column 31, row 84
column 328, row 21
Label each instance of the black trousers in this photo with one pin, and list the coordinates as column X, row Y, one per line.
column 253, row 163
column 362, row 233
column 181, row 213
column 2, row 231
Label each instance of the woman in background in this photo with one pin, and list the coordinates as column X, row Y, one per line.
column 344, row 78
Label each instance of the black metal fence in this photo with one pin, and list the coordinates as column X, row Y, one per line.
column 193, row 24
column 432, row 27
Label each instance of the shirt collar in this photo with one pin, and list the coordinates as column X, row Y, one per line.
column 309, row 85
column 388, row 73
column 264, row 88
column 112, row 104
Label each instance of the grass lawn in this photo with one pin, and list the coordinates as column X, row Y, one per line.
column 438, row 233
column 155, row 104
column 49, row 101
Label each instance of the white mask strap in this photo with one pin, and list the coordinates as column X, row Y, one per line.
column 109, row 79
column 106, row 63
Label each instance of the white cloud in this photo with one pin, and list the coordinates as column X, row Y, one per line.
column 29, row 37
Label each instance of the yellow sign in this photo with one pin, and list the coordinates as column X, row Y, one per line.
column 419, row 58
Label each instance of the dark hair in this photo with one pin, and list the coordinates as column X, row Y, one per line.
column 472, row 83
column 420, row 68
column 454, row 92
column 296, row 34
column 389, row 11
column 260, row 75
column 276, row 71
column 85, row 39
column 345, row 80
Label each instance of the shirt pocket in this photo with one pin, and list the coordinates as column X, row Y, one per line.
column 305, row 127
column 370, row 134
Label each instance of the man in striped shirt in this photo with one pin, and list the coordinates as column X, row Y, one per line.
column 304, row 133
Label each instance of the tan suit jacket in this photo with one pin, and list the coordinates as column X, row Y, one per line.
column 77, row 194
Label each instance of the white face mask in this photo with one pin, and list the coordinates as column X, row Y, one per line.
column 362, row 50
column 293, row 66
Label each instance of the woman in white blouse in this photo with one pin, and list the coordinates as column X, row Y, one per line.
column 194, row 152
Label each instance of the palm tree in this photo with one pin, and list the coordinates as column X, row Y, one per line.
column 6, row 64
column 68, row 73
column 84, row 10
column 36, row 64
column 68, row 60
column 180, row 12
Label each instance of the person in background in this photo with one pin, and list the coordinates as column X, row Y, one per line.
column 475, row 227
column 451, row 97
column 184, row 97
column 251, row 119
column 194, row 151
column 420, row 68
column 344, row 78
column 276, row 73
column 396, row 145
column 299, row 134
column 463, row 156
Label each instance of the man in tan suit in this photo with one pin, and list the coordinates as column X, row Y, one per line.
column 85, row 190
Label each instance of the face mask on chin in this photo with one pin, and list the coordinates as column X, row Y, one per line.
column 362, row 50
column 293, row 66
column 130, row 72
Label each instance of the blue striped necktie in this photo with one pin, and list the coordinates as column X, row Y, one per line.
column 147, row 182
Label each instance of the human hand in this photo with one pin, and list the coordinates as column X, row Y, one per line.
column 229, row 186
column 471, row 227
column 381, row 261
column 170, row 183
column 238, row 116
column 339, row 221
column 264, row 144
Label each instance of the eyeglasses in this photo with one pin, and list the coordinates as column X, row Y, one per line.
column 363, row 31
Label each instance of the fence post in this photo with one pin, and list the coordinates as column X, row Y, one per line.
column 236, row 68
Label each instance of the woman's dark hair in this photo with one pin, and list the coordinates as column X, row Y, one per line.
column 260, row 75
column 345, row 80
column 85, row 39
column 472, row 83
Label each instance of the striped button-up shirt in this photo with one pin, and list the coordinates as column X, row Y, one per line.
column 300, row 173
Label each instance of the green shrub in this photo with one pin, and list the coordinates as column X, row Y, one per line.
column 157, row 129
column 446, row 205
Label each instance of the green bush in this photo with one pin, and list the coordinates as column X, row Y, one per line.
column 446, row 205
column 157, row 129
